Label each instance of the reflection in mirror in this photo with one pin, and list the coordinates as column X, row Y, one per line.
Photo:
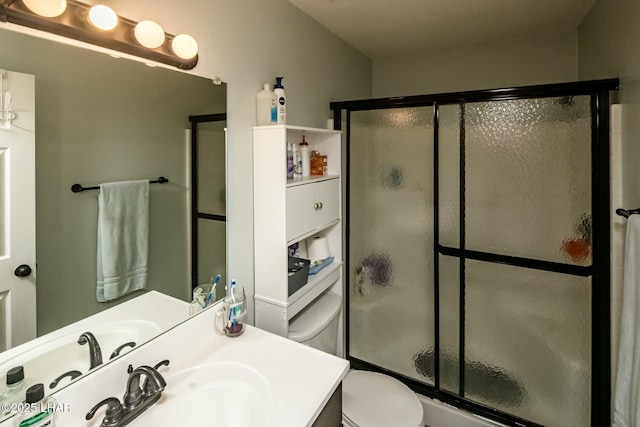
column 209, row 205
column 100, row 119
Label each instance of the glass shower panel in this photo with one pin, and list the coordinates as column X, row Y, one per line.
column 528, row 343
column 212, row 253
column 449, row 275
column 211, row 168
column 391, row 237
column 528, row 178
column 424, row 361
column 449, row 175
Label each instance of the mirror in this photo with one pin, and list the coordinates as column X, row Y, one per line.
column 102, row 119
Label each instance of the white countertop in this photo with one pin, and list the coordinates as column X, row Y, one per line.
column 155, row 307
column 301, row 379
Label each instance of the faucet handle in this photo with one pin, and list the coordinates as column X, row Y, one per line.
column 117, row 351
column 165, row 362
column 149, row 386
column 112, row 415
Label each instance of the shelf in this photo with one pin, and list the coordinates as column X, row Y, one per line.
column 299, row 129
column 316, row 285
column 293, row 182
column 287, row 211
column 312, row 232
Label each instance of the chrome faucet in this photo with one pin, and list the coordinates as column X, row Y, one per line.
column 136, row 400
column 95, row 353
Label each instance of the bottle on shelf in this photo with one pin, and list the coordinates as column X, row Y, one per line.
column 304, row 152
column 281, row 101
column 265, row 106
column 297, row 161
column 289, row 160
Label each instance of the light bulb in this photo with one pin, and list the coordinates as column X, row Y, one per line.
column 149, row 34
column 103, row 17
column 47, row 8
column 184, row 46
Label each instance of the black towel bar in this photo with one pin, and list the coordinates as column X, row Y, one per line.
column 77, row 188
column 627, row 213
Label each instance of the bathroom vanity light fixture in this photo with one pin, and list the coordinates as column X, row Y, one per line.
column 101, row 26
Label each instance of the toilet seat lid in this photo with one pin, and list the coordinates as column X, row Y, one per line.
column 370, row 399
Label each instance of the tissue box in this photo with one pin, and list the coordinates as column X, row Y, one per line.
column 298, row 273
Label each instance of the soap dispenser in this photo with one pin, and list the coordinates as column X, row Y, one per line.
column 38, row 410
column 14, row 392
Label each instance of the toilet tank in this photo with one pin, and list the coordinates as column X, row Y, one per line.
column 317, row 325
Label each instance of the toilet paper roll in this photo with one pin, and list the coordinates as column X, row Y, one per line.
column 317, row 248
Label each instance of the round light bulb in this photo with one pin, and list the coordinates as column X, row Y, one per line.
column 103, row 17
column 184, row 46
column 47, row 8
column 149, row 34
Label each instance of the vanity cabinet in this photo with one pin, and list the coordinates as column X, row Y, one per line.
column 289, row 211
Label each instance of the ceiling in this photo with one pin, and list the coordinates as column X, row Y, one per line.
column 385, row 28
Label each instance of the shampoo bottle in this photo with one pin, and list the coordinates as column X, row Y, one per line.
column 38, row 410
column 304, row 153
column 265, row 104
column 281, row 101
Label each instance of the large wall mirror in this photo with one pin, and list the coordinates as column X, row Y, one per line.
column 102, row 119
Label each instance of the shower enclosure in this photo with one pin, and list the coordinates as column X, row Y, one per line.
column 477, row 238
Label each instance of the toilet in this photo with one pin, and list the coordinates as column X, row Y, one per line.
column 369, row 399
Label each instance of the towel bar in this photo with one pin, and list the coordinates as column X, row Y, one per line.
column 77, row 188
column 627, row 213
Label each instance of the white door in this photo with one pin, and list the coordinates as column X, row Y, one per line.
column 17, row 210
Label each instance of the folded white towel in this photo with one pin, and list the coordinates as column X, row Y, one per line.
column 627, row 394
column 123, row 238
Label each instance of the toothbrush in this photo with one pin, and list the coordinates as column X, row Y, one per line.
column 214, row 282
column 233, row 300
column 233, row 285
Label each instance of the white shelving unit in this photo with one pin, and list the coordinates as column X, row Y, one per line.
column 287, row 211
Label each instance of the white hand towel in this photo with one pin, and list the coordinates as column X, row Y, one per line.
column 627, row 394
column 123, row 238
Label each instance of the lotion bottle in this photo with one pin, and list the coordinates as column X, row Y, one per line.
column 281, row 101
column 265, row 103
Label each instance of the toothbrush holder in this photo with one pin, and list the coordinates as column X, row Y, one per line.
column 230, row 318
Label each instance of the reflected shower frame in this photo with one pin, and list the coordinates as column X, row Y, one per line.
column 599, row 270
column 195, row 212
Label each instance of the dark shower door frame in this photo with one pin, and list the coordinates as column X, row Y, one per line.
column 599, row 270
column 195, row 212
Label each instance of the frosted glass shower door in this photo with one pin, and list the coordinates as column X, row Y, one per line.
column 515, row 230
column 478, row 248
column 391, row 237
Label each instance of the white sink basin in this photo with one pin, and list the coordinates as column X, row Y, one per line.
column 217, row 393
column 62, row 354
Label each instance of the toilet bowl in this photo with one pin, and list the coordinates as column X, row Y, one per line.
column 369, row 399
